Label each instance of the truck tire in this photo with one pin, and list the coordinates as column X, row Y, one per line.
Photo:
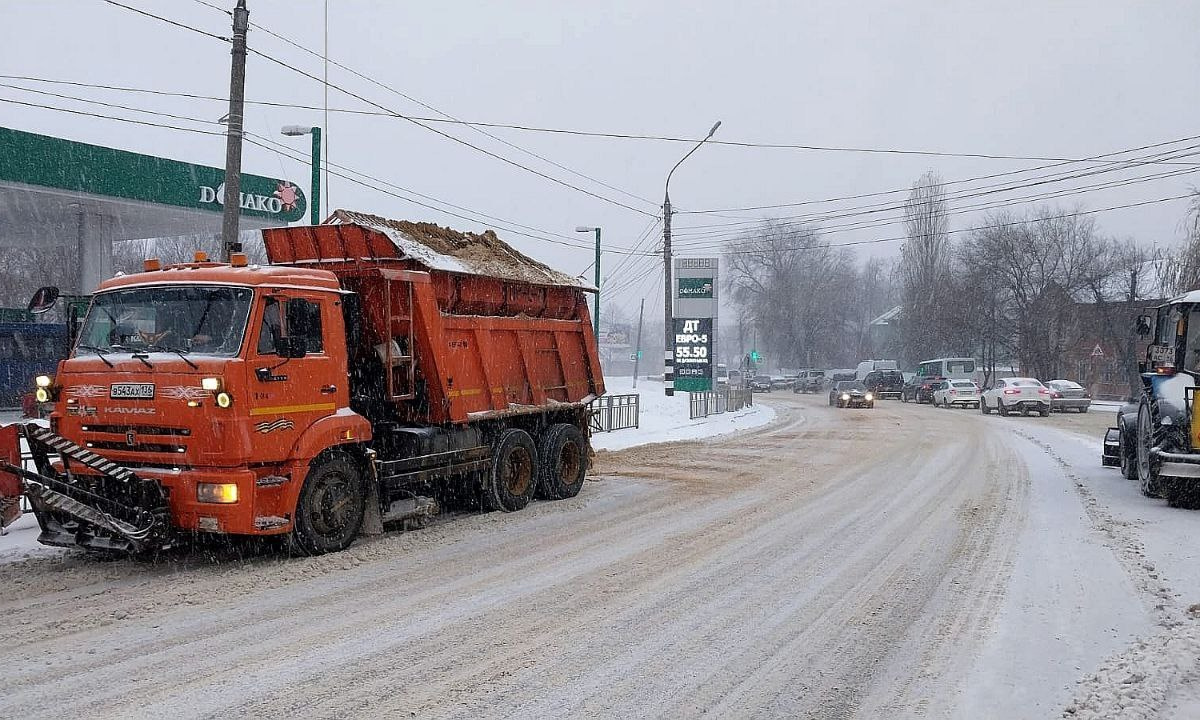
column 1147, row 468
column 563, row 458
column 332, row 504
column 514, row 474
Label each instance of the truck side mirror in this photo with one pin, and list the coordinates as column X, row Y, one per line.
column 1144, row 325
column 43, row 300
column 291, row 346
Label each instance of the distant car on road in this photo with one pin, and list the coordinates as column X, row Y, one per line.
column 884, row 383
column 956, row 393
column 1016, row 394
column 851, row 393
column 919, row 389
column 1067, row 395
column 779, row 382
column 810, row 381
column 760, row 383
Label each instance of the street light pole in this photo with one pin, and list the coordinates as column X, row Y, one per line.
column 314, row 204
column 595, row 315
column 668, row 315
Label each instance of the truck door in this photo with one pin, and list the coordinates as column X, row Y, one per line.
column 290, row 394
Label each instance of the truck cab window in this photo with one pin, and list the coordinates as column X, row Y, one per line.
column 294, row 318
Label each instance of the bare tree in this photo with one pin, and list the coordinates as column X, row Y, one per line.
column 925, row 265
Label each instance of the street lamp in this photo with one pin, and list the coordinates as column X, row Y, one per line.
column 668, row 315
column 595, row 315
column 314, row 202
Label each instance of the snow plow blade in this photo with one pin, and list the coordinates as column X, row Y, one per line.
column 108, row 507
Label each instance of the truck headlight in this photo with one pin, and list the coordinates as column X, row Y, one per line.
column 42, row 395
column 224, row 400
column 222, row 493
column 42, row 381
column 211, row 384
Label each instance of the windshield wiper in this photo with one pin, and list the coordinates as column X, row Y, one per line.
column 181, row 353
column 98, row 351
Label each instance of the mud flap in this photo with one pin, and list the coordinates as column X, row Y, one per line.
column 10, row 484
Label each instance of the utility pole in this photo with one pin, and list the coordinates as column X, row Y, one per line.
column 233, row 130
column 668, row 296
column 637, row 350
column 668, row 314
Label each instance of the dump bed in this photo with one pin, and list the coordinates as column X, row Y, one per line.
column 451, row 327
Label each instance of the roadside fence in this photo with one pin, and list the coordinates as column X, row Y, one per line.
column 614, row 412
column 713, row 402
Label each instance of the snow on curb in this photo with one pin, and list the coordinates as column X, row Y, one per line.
column 665, row 419
column 1138, row 682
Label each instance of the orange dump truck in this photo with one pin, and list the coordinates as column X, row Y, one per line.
column 370, row 361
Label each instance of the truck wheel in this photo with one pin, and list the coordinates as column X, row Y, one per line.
column 331, row 507
column 563, row 457
column 1147, row 468
column 513, row 478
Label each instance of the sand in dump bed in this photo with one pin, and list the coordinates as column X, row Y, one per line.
column 477, row 253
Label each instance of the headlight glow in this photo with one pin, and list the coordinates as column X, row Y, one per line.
column 211, row 384
column 224, row 400
column 223, row 493
column 42, row 395
column 845, row 396
column 42, row 381
column 870, row 397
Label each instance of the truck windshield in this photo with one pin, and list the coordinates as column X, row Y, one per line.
column 194, row 318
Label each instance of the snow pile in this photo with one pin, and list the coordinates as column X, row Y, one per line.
column 665, row 419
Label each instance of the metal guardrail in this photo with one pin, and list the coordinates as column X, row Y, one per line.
column 714, row 402
column 615, row 412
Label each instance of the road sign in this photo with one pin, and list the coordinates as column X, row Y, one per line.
column 633, row 356
column 1097, row 352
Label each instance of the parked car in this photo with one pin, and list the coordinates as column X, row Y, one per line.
column 760, row 383
column 868, row 366
column 1067, row 395
column 884, row 383
column 779, row 382
column 919, row 389
column 1016, row 394
column 955, row 393
column 851, row 393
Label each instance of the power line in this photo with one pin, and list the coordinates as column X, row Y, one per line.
column 609, row 135
column 970, row 229
column 111, row 117
column 169, row 21
column 957, row 195
column 393, row 112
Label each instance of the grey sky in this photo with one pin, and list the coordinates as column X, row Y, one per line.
column 1065, row 79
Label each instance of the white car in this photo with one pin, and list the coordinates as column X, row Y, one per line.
column 1016, row 395
column 951, row 393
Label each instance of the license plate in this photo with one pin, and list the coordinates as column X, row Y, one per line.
column 131, row 391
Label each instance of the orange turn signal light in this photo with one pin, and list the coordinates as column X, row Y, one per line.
column 238, row 259
column 151, row 264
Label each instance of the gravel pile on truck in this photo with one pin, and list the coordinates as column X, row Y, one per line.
column 371, row 361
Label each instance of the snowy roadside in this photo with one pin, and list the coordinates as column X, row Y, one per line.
column 665, row 419
column 1156, row 674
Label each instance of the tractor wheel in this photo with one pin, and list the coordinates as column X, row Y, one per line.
column 331, row 507
column 1147, row 467
column 563, row 457
column 514, row 475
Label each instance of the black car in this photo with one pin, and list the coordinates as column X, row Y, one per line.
column 919, row 389
column 851, row 393
column 884, row 383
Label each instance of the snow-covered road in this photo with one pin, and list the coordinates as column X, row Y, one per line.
column 895, row 562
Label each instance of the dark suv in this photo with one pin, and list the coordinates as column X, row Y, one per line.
column 919, row 389
column 885, row 383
